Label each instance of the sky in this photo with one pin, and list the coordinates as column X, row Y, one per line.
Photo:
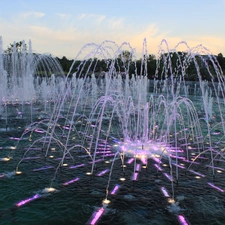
column 64, row 27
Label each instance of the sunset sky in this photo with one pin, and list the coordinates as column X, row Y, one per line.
column 63, row 27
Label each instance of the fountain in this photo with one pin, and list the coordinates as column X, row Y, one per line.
column 112, row 148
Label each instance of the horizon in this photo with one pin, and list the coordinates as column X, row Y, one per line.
column 63, row 28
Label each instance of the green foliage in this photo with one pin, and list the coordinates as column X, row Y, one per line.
column 18, row 47
column 179, row 65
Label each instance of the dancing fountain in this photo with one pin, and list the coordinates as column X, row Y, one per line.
column 112, row 149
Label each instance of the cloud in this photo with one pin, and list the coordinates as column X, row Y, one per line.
column 33, row 14
column 63, row 16
column 116, row 23
column 93, row 17
column 67, row 40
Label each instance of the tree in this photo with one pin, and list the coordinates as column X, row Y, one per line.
column 151, row 66
column 221, row 61
column 18, row 46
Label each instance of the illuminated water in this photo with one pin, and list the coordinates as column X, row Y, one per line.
column 157, row 147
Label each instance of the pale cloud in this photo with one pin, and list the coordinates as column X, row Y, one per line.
column 214, row 44
column 33, row 14
column 116, row 23
column 68, row 40
column 93, row 17
column 63, row 16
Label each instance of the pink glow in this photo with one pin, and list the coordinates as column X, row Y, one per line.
column 98, row 160
column 15, row 138
column 106, row 155
column 39, row 131
column 2, row 175
column 158, row 167
column 197, row 173
column 168, row 177
column 157, row 160
column 23, row 202
column 165, row 192
column 71, row 181
column 138, row 167
column 177, row 165
column 115, row 189
column 104, row 145
column 96, row 216
column 174, row 150
column 66, row 128
column 192, row 162
column 74, row 167
column 103, row 149
column 144, row 160
column 177, row 157
column 130, row 160
column 135, row 176
column 216, row 187
column 103, row 152
column 182, row 220
column 102, row 172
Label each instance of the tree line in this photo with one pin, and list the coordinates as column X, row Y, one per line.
column 175, row 64
column 172, row 64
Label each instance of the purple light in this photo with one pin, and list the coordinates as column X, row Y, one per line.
column 168, row 177
column 62, row 158
column 216, row 187
column 138, row 167
column 15, row 138
column 192, row 162
column 165, row 192
column 199, row 174
column 2, row 175
column 34, row 157
column 157, row 160
column 177, row 157
column 95, row 217
column 74, row 167
column 115, row 189
column 66, row 128
column 103, row 149
column 103, row 152
column 23, row 202
column 102, row 172
column 130, row 160
column 215, row 167
column 144, row 160
column 158, row 167
column 39, row 131
column 175, row 150
column 98, row 160
column 107, row 155
column 135, row 176
column 185, row 144
column 177, row 165
column 202, row 157
column 43, row 168
column 182, row 220
column 71, row 181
